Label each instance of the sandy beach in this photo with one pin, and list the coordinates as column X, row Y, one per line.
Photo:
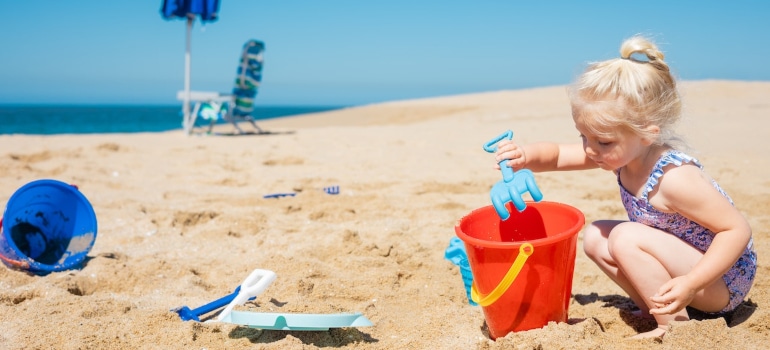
column 182, row 221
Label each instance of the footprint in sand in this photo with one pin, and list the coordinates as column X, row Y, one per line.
column 284, row 161
column 110, row 146
column 187, row 219
column 32, row 158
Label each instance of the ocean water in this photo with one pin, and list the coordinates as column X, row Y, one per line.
column 88, row 119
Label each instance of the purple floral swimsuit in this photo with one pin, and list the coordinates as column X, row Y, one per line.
column 740, row 277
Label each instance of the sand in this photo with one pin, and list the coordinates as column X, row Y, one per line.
column 182, row 221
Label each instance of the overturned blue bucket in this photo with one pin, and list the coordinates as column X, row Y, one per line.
column 47, row 226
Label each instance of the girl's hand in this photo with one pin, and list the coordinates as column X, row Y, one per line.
column 672, row 296
column 509, row 150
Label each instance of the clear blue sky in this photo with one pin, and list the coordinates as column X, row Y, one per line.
column 352, row 52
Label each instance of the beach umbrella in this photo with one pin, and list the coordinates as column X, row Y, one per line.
column 188, row 10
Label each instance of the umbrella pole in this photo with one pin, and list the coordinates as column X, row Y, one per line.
column 186, row 123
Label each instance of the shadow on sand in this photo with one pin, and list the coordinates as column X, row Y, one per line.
column 626, row 307
column 251, row 133
column 336, row 337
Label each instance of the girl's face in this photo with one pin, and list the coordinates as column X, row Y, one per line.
column 610, row 150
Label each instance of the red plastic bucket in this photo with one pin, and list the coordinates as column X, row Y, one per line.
column 546, row 234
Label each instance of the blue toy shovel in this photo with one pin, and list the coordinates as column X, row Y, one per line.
column 513, row 185
column 186, row 314
column 254, row 285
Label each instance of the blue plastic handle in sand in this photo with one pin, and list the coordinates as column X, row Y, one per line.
column 187, row 314
column 514, row 183
column 279, row 195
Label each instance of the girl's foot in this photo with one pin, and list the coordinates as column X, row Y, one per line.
column 658, row 332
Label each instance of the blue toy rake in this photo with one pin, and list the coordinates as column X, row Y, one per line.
column 513, row 185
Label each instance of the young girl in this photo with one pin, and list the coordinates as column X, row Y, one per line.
column 684, row 244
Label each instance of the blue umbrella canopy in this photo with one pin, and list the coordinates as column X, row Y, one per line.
column 206, row 10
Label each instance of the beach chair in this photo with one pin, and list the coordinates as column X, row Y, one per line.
column 207, row 106
column 237, row 106
column 247, row 80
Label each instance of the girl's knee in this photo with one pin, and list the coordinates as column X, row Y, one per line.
column 624, row 238
column 594, row 240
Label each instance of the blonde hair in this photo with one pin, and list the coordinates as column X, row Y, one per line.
column 634, row 92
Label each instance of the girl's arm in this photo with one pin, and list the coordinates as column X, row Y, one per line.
column 544, row 156
column 688, row 191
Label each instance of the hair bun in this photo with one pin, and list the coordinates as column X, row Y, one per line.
column 639, row 48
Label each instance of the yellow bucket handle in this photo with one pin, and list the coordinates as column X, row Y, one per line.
column 525, row 250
